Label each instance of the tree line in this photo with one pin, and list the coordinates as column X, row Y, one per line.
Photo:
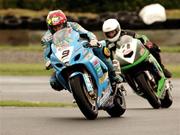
column 97, row 6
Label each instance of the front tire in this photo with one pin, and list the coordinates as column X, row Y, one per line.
column 148, row 91
column 87, row 106
column 167, row 101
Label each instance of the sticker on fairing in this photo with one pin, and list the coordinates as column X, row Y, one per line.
column 124, row 48
column 97, row 66
column 64, row 53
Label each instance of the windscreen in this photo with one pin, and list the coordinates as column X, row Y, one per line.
column 63, row 37
column 125, row 39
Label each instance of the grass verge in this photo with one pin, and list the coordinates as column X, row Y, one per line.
column 34, row 13
column 15, row 103
column 24, row 48
column 175, row 69
column 38, row 70
column 38, row 48
column 22, row 69
column 173, row 49
column 171, row 13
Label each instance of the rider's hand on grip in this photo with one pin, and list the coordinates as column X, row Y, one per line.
column 149, row 44
column 94, row 43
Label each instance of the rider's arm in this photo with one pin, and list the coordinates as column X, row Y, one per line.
column 75, row 26
column 144, row 39
column 46, row 44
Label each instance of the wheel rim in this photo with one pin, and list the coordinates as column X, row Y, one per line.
column 120, row 100
column 91, row 100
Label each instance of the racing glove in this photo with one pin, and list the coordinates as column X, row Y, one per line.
column 48, row 65
column 94, row 43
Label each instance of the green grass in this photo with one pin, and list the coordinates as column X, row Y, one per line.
column 25, row 48
column 23, row 69
column 34, row 13
column 175, row 69
column 38, row 48
column 173, row 13
column 15, row 103
column 173, row 49
column 38, row 70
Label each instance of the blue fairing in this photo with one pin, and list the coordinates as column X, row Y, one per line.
column 69, row 53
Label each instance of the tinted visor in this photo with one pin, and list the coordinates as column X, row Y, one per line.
column 111, row 34
column 57, row 27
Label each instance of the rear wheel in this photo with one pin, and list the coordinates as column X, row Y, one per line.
column 149, row 93
column 86, row 103
column 119, row 105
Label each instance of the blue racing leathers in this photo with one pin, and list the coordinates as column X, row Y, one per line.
column 46, row 42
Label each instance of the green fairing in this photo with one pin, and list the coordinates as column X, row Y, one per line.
column 161, row 82
column 148, row 56
column 142, row 58
column 143, row 37
column 161, row 86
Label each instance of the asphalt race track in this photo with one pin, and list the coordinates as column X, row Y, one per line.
column 139, row 119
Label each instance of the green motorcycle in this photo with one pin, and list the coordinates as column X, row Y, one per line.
column 142, row 72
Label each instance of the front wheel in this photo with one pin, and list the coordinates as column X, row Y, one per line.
column 119, row 106
column 167, row 101
column 149, row 93
column 86, row 103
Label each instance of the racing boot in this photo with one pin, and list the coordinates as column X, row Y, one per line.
column 167, row 73
column 54, row 83
column 155, row 51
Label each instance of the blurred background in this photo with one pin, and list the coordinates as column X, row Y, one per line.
column 23, row 22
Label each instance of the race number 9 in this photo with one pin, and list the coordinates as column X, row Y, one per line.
column 65, row 53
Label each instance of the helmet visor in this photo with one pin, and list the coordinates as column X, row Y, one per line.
column 57, row 27
column 111, row 34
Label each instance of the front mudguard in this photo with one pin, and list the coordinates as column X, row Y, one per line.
column 85, row 78
column 162, row 79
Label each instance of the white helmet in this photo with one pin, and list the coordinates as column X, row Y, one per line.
column 111, row 25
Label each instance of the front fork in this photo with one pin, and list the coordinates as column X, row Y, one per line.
column 89, row 85
column 156, row 66
column 161, row 82
column 168, row 87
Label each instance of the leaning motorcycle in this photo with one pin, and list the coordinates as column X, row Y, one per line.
column 143, row 73
column 84, row 75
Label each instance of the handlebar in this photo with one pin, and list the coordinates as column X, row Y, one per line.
column 90, row 46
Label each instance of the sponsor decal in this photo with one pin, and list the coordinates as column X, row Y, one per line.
column 88, row 83
column 55, row 20
column 106, row 52
column 105, row 95
column 104, row 77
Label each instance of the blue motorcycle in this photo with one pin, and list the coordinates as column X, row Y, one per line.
column 83, row 74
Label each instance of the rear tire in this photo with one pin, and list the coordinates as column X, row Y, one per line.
column 148, row 91
column 119, row 105
column 84, row 102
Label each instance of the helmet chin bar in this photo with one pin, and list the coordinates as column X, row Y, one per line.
column 115, row 38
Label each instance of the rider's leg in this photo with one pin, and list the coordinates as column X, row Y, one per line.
column 155, row 51
column 54, row 83
column 114, row 78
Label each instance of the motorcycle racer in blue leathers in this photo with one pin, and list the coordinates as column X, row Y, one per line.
column 56, row 20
